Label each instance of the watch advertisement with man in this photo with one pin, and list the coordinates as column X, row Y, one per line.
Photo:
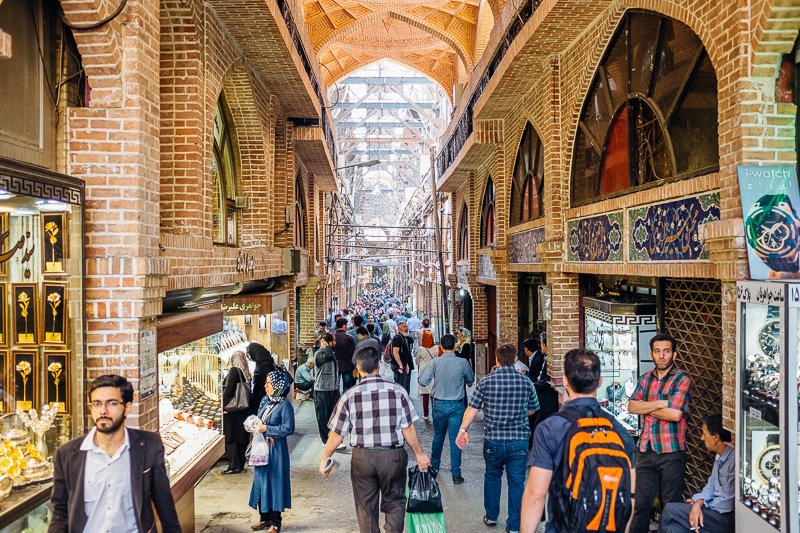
column 771, row 211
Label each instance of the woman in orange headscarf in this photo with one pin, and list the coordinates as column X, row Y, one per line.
column 426, row 353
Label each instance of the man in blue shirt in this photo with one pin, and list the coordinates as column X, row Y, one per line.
column 449, row 374
column 507, row 398
column 581, row 379
column 711, row 509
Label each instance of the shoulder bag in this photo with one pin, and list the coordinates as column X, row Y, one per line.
column 241, row 399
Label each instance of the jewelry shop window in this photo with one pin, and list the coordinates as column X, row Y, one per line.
column 41, row 333
column 651, row 112
column 527, row 185
column 225, row 168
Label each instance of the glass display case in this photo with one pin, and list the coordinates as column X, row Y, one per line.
column 619, row 333
column 768, row 339
column 41, row 333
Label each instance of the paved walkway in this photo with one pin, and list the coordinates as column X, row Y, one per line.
column 326, row 505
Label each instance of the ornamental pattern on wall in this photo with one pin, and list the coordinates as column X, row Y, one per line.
column 522, row 246
column 486, row 268
column 596, row 238
column 669, row 231
column 462, row 272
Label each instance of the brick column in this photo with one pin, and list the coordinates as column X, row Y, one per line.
column 507, row 306
column 114, row 147
column 562, row 333
column 480, row 325
column 308, row 313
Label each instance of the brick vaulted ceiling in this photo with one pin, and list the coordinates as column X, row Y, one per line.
column 435, row 37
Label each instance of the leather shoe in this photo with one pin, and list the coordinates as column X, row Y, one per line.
column 458, row 480
column 261, row 526
column 229, row 471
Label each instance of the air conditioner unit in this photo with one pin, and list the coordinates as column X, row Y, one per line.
column 242, row 202
column 291, row 261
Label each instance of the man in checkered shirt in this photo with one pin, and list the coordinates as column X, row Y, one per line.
column 507, row 399
column 379, row 417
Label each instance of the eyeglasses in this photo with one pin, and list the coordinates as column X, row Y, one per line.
column 111, row 404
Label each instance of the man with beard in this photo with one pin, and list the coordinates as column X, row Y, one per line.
column 111, row 479
column 662, row 396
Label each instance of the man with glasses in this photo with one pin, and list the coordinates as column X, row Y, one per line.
column 111, row 479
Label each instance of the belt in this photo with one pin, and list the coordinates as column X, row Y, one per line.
column 441, row 400
column 361, row 446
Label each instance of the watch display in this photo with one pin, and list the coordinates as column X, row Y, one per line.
column 772, row 229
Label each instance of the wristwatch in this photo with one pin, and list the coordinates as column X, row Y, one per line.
column 462, row 430
column 771, row 229
column 769, row 338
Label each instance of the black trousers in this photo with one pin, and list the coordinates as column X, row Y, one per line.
column 675, row 519
column 324, row 403
column 272, row 518
column 379, row 483
column 656, row 472
column 403, row 379
column 236, row 454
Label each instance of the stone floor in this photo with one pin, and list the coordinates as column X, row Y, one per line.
column 326, row 505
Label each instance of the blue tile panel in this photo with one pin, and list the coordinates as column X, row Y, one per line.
column 522, row 246
column 597, row 238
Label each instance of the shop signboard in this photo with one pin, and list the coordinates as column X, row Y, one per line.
column 770, row 206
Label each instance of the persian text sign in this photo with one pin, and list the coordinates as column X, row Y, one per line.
column 770, row 203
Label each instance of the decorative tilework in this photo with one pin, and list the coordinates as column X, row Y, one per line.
column 597, row 238
column 522, row 246
column 668, row 231
column 486, row 268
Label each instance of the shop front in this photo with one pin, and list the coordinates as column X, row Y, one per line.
column 42, row 396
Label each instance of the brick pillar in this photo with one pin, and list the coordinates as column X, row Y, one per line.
column 114, row 147
column 308, row 313
column 507, row 307
column 480, row 326
column 562, row 332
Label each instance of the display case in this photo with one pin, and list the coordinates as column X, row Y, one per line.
column 768, row 339
column 41, row 333
column 619, row 333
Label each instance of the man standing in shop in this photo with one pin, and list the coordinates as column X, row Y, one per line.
column 343, row 349
column 111, row 479
column 662, row 397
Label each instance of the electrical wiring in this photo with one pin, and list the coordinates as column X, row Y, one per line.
column 95, row 25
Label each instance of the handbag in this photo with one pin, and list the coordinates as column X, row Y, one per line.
column 424, row 495
column 257, row 451
column 241, row 398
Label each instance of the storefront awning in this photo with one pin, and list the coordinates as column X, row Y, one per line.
column 264, row 303
column 177, row 329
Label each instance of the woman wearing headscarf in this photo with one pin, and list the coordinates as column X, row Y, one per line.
column 464, row 350
column 264, row 365
column 426, row 353
column 236, row 437
column 271, row 493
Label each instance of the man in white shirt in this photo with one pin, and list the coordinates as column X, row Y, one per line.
column 110, row 480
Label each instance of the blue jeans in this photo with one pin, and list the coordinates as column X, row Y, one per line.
column 513, row 455
column 447, row 416
column 347, row 381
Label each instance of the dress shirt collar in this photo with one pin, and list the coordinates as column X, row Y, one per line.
column 445, row 353
column 89, row 445
column 725, row 455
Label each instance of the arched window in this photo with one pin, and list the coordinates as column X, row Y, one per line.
column 299, row 214
column 488, row 230
column 651, row 113
column 463, row 234
column 225, row 225
column 527, row 185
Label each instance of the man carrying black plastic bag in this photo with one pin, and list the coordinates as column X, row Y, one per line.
column 424, row 505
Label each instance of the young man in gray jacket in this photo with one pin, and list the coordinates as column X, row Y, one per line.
column 326, row 386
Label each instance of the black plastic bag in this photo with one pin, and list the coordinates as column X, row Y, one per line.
column 424, row 495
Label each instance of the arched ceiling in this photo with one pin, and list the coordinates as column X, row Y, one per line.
column 430, row 36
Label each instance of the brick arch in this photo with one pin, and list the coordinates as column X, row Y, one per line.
column 612, row 20
column 100, row 49
column 252, row 147
column 771, row 37
column 444, row 83
column 393, row 12
column 181, row 82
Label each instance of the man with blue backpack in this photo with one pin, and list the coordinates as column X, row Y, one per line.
column 582, row 458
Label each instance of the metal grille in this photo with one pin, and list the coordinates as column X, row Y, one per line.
column 693, row 315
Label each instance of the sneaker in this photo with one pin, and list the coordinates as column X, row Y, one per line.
column 490, row 523
column 458, row 480
column 511, row 530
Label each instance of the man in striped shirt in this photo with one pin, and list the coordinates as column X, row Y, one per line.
column 662, row 396
column 379, row 417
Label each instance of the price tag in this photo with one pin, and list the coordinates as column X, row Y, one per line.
column 755, row 413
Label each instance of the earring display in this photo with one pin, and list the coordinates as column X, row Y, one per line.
column 618, row 335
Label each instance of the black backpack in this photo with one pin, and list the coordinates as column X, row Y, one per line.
column 591, row 488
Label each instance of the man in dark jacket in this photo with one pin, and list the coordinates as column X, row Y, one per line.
column 344, row 350
column 402, row 358
column 326, row 386
column 111, row 479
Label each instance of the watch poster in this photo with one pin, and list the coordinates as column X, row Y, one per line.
column 770, row 207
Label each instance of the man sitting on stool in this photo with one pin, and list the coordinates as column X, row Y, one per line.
column 304, row 377
column 711, row 509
